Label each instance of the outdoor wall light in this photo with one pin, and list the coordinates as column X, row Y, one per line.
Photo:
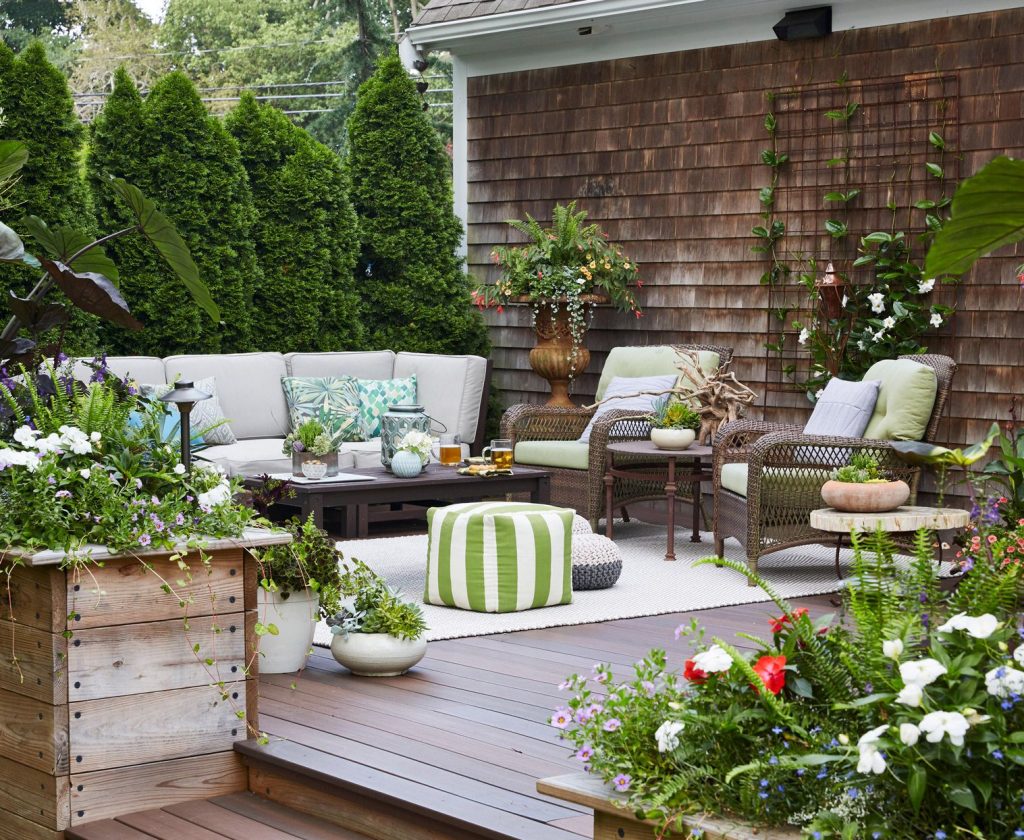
column 184, row 395
column 804, row 23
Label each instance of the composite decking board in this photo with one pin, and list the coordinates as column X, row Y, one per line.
column 378, row 784
column 106, row 830
column 166, row 826
column 294, row 824
column 458, row 777
column 225, row 822
column 430, row 678
column 370, row 728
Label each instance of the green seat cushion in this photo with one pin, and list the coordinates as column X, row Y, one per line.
column 376, row 396
column 905, row 399
column 567, row 454
column 634, row 362
column 333, row 400
column 734, row 478
column 783, row 487
column 499, row 556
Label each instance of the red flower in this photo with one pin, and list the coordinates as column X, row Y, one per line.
column 694, row 675
column 779, row 624
column 771, row 670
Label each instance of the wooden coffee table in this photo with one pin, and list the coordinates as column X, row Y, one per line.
column 435, row 483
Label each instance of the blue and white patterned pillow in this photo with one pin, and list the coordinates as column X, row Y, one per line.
column 376, row 396
column 332, row 400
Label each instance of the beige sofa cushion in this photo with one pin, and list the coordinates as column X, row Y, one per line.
column 147, row 370
column 248, row 386
column 377, row 364
column 449, row 388
column 656, row 360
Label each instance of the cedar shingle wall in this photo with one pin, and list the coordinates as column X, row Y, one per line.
column 664, row 152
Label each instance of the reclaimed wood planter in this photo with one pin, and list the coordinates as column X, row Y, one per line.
column 613, row 822
column 104, row 707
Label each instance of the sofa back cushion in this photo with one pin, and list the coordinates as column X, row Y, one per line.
column 377, row 364
column 655, row 360
column 450, row 388
column 142, row 369
column 248, row 386
column 906, row 398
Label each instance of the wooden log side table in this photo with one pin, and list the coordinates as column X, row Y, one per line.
column 667, row 472
column 905, row 519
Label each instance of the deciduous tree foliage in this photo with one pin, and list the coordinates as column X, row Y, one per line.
column 189, row 165
column 415, row 292
column 305, row 234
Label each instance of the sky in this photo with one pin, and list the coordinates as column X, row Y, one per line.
column 153, row 8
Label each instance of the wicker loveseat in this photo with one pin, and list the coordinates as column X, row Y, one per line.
column 768, row 476
column 550, row 437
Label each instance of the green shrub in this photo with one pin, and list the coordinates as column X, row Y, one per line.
column 305, row 234
column 189, row 165
column 415, row 292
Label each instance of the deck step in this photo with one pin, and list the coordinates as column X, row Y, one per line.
column 238, row 816
column 381, row 805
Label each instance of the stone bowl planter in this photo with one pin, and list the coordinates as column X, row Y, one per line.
column 377, row 654
column 295, row 618
column 869, row 497
column 673, row 439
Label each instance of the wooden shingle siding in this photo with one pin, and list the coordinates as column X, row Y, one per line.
column 664, row 151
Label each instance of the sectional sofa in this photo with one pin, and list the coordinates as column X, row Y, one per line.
column 452, row 389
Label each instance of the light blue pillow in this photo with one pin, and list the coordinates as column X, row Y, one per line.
column 843, row 409
column 628, row 390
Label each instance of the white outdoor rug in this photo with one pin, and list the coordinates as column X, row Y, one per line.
column 648, row 586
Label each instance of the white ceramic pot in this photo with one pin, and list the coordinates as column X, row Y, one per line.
column 672, row 438
column 377, row 654
column 870, row 497
column 295, row 618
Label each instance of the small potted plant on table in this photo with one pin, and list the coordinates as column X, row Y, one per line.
column 376, row 632
column 673, row 424
column 299, row 584
column 311, row 450
column 859, row 487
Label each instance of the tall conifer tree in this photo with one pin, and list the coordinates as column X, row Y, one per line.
column 305, row 234
column 415, row 292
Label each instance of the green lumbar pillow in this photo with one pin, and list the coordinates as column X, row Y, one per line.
column 906, row 398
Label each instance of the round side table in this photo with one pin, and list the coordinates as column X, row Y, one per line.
column 905, row 519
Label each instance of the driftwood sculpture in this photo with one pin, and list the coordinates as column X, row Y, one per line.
column 718, row 397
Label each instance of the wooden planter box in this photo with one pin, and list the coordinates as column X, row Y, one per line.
column 613, row 822
column 112, row 712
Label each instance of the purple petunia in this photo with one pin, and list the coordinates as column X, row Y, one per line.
column 622, row 782
column 145, row 539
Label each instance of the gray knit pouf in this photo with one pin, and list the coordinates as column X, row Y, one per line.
column 596, row 562
column 580, row 525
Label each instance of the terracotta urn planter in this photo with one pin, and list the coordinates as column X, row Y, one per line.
column 869, row 497
column 553, row 357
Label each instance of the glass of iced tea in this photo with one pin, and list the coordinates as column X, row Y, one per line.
column 500, row 452
column 449, row 450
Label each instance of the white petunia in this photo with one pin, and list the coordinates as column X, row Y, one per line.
column 922, row 672
column 935, row 725
column 909, row 734
column 713, row 660
column 217, row 496
column 1018, row 654
column 50, row 443
column 804, row 335
column 667, row 735
column 877, row 303
column 85, row 473
column 872, row 736
column 871, row 760
column 925, row 286
column 893, row 648
column 179, row 469
column 25, row 435
column 980, row 627
column 1004, row 681
column 936, row 320
column 910, row 695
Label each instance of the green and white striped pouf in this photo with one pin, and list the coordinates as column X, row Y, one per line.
column 499, row 556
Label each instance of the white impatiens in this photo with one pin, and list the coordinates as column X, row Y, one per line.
column 921, row 672
column 667, row 735
column 980, row 627
column 871, row 759
column 1004, row 681
column 877, row 302
column 25, row 435
column 910, row 695
column 935, row 725
column 713, row 660
column 925, row 286
column 893, row 648
column 909, row 734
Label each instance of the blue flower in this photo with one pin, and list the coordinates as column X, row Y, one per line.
column 777, row 730
column 1019, row 832
column 773, row 760
column 853, row 793
column 822, row 773
column 764, row 783
column 763, row 794
column 940, row 835
column 875, row 835
column 997, row 755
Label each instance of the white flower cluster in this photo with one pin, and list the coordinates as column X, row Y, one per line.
column 218, row 495
column 418, row 442
column 35, row 446
column 667, row 735
column 713, row 660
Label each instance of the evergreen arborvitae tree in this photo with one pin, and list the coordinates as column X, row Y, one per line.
column 187, row 163
column 305, row 234
column 39, row 111
column 415, row 292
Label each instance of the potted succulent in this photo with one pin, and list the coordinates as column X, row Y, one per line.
column 562, row 272
column 860, row 487
column 299, row 584
column 376, row 632
column 412, row 454
column 673, row 424
column 310, row 443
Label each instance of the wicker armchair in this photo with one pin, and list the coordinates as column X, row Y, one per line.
column 786, row 469
column 583, row 489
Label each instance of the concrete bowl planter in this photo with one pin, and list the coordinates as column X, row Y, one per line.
column 869, row 497
column 377, row 654
column 673, row 439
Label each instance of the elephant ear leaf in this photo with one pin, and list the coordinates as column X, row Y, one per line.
column 12, row 249
column 987, row 213
column 919, row 452
column 37, row 316
column 62, row 243
column 157, row 228
column 92, row 293
column 13, row 155
column 976, row 451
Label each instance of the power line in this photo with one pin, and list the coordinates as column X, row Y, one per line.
column 165, row 53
